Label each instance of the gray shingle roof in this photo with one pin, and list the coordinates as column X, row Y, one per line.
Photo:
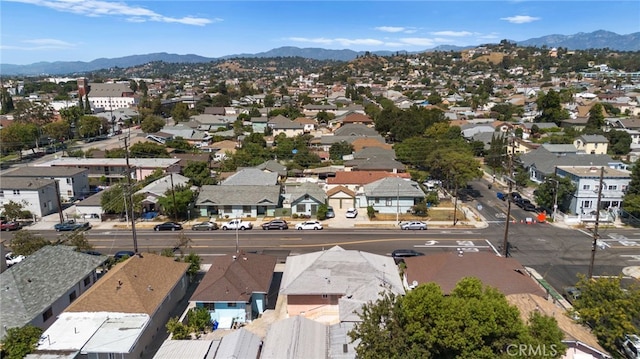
column 545, row 161
column 25, row 184
column 273, row 166
column 354, row 129
column 212, row 195
column 593, row 139
column 392, row 187
column 251, row 177
column 48, row 172
column 307, row 188
column 33, row 285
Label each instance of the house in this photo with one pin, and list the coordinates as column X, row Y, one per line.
column 238, row 344
column 331, row 286
column 122, row 314
column 39, row 288
column 216, row 111
column 187, row 349
column 519, row 146
column 192, row 136
column 446, row 269
column 390, row 195
column 341, row 197
column 259, row 124
column 115, row 169
column 580, row 341
column 281, row 124
column 235, row 288
column 543, row 161
column 357, row 118
column 309, row 124
column 587, row 180
column 39, row 196
column 354, row 180
column 366, row 142
column 221, row 149
column 304, row 199
column 251, row 177
column 294, row 338
column 274, row 166
column 90, row 207
column 593, row 144
column 211, row 123
column 238, row 201
column 72, row 183
column 158, row 189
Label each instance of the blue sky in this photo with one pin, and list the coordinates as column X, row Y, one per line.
column 83, row 30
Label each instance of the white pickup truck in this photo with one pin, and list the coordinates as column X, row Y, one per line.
column 237, row 224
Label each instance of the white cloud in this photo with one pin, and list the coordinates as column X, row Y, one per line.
column 418, row 41
column 390, row 28
column 520, row 19
column 40, row 44
column 493, row 35
column 97, row 8
column 452, row 33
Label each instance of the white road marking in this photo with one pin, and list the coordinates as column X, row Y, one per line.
column 632, row 257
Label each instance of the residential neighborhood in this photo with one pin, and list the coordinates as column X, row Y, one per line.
column 433, row 154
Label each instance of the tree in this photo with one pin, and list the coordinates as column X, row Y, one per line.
column 152, row 124
column 496, row 154
column 58, row 130
column 199, row 319
column 25, row 242
column 133, row 85
column 619, row 142
column 90, row 126
column 269, row 100
column 194, row 261
column 6, row 102
column 596, row 117
column 472, row 322
column 148, row 150
column 339, row 149
column 18, row 136
column 183, row 196
column 324, row 117
column 199, row 173
column 551, row 108
column 76, row 239
column 607, row 308
column 545, row 194
column 113, row 200
column 631, row 200
column 180, row 112
column 142, row 86
column 15, row 210
column 20, row 341
column 37, row 113
column 72, row 114
column 180, row 143
column 178, row 330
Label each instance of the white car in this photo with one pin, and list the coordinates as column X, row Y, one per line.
column 352, row 213
column 309, row 225
column 13, row 259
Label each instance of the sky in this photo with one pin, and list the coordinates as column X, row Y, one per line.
column 83, row 30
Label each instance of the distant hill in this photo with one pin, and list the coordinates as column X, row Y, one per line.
column 594, row 40
column 579, row 41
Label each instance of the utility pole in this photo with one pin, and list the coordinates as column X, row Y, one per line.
column 133, row 217
column 59, row 201
column 398, row 205
column 505, row 242
column 595, row 228
column 173, row 195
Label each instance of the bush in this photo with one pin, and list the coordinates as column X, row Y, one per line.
column 322, row 212
column 371, row 212
column 294, row 216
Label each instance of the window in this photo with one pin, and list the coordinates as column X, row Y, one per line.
column 69, row 192
column 47, row 314
column 586, row 204
column 376, row 200
column 209, row 306
column 16, row 192
column 325, row 296
column 246, row 209
column 69, row 181
column 72, row 296
column 87, row 281
column 586, row 187
column 612, row 187
column 1, row 194
column 232, row 304
column 388, row 202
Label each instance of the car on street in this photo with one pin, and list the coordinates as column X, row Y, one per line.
column 168, row 226
column 352, row 213
column 415, row 225
column 400, row 254
column 12, row 259
column 314, row 225
column 525, row 204
column 9, row 226
column 205, row 226
column 630, row 346
column 121, row 254
column 237, row 224
column 72, row 225
column 275, row 224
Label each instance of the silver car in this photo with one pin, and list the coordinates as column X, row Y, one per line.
column 415, row 225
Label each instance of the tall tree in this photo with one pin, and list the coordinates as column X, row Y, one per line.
column 58, row 130
column 152, row 124
column 550, row 106
column 496, row 155
column 6, row 102
column 90, row 126
column 199, row 173
column 631, row 200
column 596, row 117
column 148, row 150
column 18, row 136
column 339, row 149
column 182, row 196
column 180, row 112
column 37, row 113
column 545, row 194
column 26, row 242
column 619, row 142
column 472, row 322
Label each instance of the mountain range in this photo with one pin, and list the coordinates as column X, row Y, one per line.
column 580, row 41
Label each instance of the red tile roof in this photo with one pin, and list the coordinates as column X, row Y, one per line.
column 357, row 117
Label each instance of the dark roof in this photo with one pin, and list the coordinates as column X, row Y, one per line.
column 234, row 280
column 447, row 269
column 48, row 172
column 545, row 162
column 25, row 184
column 355, row 129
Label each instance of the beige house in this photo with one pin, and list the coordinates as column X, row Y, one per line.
column 592, row 144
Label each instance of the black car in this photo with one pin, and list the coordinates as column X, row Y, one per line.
column 525, row 204
column 275, row 224
column 168, row 226
column 400, row 254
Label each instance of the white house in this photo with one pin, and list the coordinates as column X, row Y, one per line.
column 587, row 179
column 108, row 97
column 73, row 182
column 39, row 196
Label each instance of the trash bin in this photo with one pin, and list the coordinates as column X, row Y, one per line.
column 215, row 325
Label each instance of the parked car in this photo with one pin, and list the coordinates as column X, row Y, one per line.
column 630, row 346
column 416, row 225
column 72, row 225
column 501, row 196
column 12, row 259
column 121, row 254
column 571, row 294
column 275, row 224
column 237, row 224
column 204, row 226
column 515, row 196
column 330, row 212
column 9, row 226
column 315, row 225
column 525, row 204
column 352, row 213
column 92, row 252
column 168, row 226
column 400, row 254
